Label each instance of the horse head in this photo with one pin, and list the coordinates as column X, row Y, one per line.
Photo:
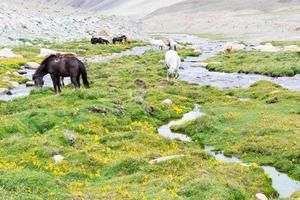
column 38, row 80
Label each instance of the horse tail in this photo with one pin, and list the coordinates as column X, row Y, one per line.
column 84, row 77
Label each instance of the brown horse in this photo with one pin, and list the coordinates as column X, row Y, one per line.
column 60, row 65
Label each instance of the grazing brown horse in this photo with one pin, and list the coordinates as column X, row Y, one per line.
column 99, row 40
column 61, row 65
column 122, row 39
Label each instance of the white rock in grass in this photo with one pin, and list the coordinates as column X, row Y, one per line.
column 47, row 52
column 167, row 102
column 58, row 159
column 293, row 48
column 3, row 90
column 8, row 53
column 31, row 65
column 261, row 196
column 14, row 84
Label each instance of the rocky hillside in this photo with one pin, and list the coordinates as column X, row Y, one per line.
column 274, row 19
column 30, row 22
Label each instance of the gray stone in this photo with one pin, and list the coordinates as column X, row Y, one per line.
column 31, row 65
column 30, row 84
column 3, row 90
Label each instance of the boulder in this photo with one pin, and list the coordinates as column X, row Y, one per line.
column 17, row 74
column 5, row 78
column 47, row 52
column 30, row 84
column 167, row 102
column 8, row 53
column 261, row 196
column 267, row 48
column 3, row 90
column 22, row 72
column 164, row 159
column 71, row 137
column 31, row 65
column 14, row 84
column 58, row 159
column 203, row 64
column 293, row 48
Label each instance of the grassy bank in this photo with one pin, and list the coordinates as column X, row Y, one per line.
column 268, row 63
column 115, row 123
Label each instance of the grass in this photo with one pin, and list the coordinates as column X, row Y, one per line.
column 211, row 36
column 284, row 43
column 273, row 64
column 109, row 159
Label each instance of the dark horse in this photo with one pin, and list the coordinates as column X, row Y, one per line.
column 99, row 40
column 121, row 39
column 58, row 66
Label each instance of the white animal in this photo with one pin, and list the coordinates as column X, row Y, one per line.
column 158, row 43
column 173, row 62
column 173, row 45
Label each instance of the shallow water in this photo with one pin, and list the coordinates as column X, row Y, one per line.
column 166, row 132
column 22, row 90
column 284, row 185
column 201, row 76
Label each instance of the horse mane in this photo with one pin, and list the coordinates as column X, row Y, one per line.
column 44, row 64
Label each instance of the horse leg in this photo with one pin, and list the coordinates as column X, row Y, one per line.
column 74, row 81
column 78, row 80
column 54, row 83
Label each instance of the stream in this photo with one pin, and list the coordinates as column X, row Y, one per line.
column 284, row 185
column 202, row 76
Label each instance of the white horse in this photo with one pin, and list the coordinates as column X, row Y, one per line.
column 161, row 45
column 173, row 62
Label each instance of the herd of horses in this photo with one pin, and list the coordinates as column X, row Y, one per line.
column 68, row 65
column 102, row 40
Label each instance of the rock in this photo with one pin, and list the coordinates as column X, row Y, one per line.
column 164, row 159
column 150, row 110
column 14, row 84
column 239, row 47
column 16, row 74
column 267, row 48
column 71, row 137
column 214, row 63
column 8, row 53
column 196, row 65
column 5, row 79
column 58, row 159
column 9, row 92
column 3, row 90
column 22, row 72
column 261, row 196
column 293, row 48
column 140, row 84
column 273, row 100
column 31, row 65
column 47, row 52
column 101, row 111
column 203, row 64
column 167, row 102
column 30, row 84
column 202, row 172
